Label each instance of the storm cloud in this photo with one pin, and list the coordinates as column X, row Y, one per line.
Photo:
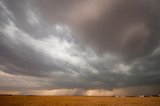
column 85, row 46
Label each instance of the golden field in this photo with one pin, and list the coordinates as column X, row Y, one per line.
column 77, row 101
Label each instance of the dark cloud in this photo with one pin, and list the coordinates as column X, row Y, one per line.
column 86, row 44
column 125, row 26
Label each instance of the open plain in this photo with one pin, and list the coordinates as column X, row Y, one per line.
column 78, row 101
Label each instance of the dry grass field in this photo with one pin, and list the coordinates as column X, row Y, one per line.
column 77, row 101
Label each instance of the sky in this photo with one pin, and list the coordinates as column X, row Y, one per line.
column 80, row 47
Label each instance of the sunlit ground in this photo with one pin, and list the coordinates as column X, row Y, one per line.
column 78, row 101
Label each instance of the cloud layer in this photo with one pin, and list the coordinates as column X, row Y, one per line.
column 79, row 46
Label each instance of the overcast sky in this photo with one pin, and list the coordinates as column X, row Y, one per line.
column 80, row 47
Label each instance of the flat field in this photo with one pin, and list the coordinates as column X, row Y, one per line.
column 77, row 101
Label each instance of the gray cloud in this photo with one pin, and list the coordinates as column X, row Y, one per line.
column 125, row 26
column 108, row 45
